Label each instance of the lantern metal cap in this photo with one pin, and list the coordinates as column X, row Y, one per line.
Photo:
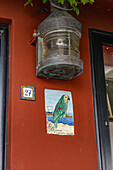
column 59, row 19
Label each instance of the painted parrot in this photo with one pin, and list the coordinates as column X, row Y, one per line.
column 60, row 109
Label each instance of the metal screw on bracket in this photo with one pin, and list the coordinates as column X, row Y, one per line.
column 106, row 123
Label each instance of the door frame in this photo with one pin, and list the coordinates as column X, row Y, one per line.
column 4, row 86
column 97, row 39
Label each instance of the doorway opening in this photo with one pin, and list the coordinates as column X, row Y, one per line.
column 3, row 94
column 99, row 41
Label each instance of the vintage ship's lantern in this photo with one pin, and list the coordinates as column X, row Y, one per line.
column 57, row 46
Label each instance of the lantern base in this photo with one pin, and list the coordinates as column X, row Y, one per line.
column 60, row 67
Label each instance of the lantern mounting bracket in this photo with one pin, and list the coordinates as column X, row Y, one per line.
column 33, row 40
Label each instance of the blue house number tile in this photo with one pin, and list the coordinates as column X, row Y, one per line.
column 27, row 92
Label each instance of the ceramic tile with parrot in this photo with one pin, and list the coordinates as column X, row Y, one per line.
column 59, row 112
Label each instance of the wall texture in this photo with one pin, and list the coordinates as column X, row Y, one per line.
column 29, row 146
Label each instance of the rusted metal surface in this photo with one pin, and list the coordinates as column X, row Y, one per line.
column 60, row 67
column 59, row 19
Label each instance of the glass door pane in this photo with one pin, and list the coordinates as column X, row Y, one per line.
column 108, row 67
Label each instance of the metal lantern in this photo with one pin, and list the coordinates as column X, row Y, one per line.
column 57, row 46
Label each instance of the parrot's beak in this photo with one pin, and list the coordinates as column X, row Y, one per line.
column 68, row 98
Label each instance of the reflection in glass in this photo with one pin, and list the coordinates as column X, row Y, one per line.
column 108, row 67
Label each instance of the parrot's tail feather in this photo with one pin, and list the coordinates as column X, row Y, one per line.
column 53, row 119
column 56, row 123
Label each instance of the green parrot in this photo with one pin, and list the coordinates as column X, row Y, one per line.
column 60, row 109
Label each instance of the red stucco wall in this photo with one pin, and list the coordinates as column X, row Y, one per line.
column 29, row 146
